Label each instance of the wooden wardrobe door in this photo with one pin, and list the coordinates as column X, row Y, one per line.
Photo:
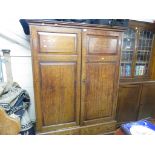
column 128, row 102
column 100, row 72
column 56, row 70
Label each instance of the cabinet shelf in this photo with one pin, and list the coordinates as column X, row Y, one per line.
column 146, row 39
column 127, row 50
column 144, row 50
column 128, row 38
column 126, row 62
column 141, row 62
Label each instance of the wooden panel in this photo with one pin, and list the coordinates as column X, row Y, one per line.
column 58, row 58
column 57, row 42
column 128, row 103
column 99, row 58
column 65, row 131
column 102, row 44
column 147, row 102
column 99, row 90
column 152, row 64
column 100, row 128
column 58, row 92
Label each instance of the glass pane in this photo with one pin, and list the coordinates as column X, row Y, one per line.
column 127, row 56
column 141, row 69
column 127, row 52
column 125, row 69
column 144, row 52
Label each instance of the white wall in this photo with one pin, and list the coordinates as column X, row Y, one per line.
column 12, row 37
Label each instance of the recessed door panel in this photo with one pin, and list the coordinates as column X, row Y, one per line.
column 128, row 103
column 147, row 101
column 58, row 90
column 102, row 44
column 57, row 42
column 99, row 90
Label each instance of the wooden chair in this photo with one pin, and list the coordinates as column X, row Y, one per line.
column 8, row 125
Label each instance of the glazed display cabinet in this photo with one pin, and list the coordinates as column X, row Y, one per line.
column 136, row 53
column 136, row 99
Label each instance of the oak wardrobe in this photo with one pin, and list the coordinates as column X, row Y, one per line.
column 76, row 77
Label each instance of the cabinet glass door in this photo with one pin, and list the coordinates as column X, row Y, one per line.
column 127, row 52
column 143, row 52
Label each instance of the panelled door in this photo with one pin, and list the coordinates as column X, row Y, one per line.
column 56, row 69
column 147, row 101
column 128, row 102
column 100, row 75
